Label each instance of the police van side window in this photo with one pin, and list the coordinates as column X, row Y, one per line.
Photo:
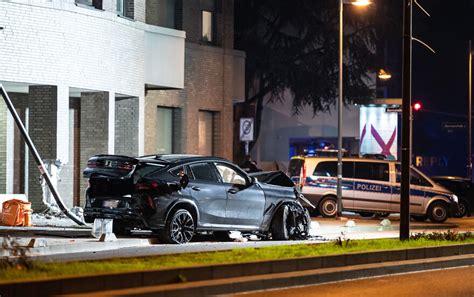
column 329, row 169
column 372, row 171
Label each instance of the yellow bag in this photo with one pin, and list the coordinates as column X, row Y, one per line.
column 16, row 213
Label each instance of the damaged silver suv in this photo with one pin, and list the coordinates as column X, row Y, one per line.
column 177, row 196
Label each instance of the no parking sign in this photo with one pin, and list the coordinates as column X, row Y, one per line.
column 246, row 129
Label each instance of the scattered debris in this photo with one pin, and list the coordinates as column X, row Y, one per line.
column 37, row 242
column 16, row 255
column 54, row 217
column 313, row 228
column 254, row 237
column 350, row 223
column 385, row 223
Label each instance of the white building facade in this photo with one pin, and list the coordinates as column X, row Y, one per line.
column 77, row 75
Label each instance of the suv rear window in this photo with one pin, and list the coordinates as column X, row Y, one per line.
column 372, row 171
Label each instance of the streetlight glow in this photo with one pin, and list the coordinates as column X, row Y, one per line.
column 383, row 75
column 361, row 2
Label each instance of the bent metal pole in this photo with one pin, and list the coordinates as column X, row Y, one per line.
column 39, row 162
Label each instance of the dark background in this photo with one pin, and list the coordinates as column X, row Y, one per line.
column 440, row 83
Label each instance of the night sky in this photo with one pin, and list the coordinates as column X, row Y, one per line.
column 440, row 80
column 440, row 83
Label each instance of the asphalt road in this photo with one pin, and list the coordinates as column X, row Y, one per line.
column 456, row 282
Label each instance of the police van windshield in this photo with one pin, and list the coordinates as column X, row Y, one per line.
column 294, row 169
column 415, row 177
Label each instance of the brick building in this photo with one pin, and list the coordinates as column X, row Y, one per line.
column 112, row 76
column 198, row 118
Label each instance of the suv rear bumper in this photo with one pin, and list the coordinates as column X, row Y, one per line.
column 90, row 214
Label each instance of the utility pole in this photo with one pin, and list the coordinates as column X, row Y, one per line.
column 469, row 118
column 406, row 122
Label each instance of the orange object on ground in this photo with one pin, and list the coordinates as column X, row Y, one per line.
column 16, row 213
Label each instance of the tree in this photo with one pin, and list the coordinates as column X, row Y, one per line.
column 292, row 48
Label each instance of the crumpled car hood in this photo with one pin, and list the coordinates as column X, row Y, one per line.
column 277, row 178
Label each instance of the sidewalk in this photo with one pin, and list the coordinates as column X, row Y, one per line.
column 76, row 243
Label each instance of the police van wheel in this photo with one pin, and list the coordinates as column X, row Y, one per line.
column 438, row 212
column 328, row 207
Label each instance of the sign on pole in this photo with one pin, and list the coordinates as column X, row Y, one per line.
column 393, row 109
column 246, row 129
column 453, row 125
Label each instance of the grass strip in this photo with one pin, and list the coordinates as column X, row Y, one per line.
column 44, row 270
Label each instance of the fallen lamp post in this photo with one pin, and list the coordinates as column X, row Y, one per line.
column 39, row 162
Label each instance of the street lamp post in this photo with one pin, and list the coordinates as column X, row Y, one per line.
column 469, row 118
column 340, row 102
column 406, row 123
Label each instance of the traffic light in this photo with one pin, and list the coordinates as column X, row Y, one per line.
column 417, row 106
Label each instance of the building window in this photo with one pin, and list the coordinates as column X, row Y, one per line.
column 97, row 4
column 168, row 123
column 207, row 26
column 120, row 7
column 126, row 8
column 164, row 12
column 206, row 133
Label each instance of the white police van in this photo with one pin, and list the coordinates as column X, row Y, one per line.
column 369, row 186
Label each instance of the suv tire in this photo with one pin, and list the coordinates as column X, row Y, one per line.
column 279, row 224
column 179, row 228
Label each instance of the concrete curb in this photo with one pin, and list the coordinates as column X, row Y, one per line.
column 39, row 247
column 90, row 283
column 288, row 279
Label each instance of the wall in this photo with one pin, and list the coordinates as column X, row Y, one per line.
column 279, row 124
column 126, row 126
column 208, row 82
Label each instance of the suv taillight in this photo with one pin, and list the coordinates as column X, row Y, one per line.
column 93, row 164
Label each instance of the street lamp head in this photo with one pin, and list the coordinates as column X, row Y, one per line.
column 384, row 75
column 360, row 2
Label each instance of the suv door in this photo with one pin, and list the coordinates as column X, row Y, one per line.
column 417, row 191
column 372, row 188
column 208, row 192
column 245, row 200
